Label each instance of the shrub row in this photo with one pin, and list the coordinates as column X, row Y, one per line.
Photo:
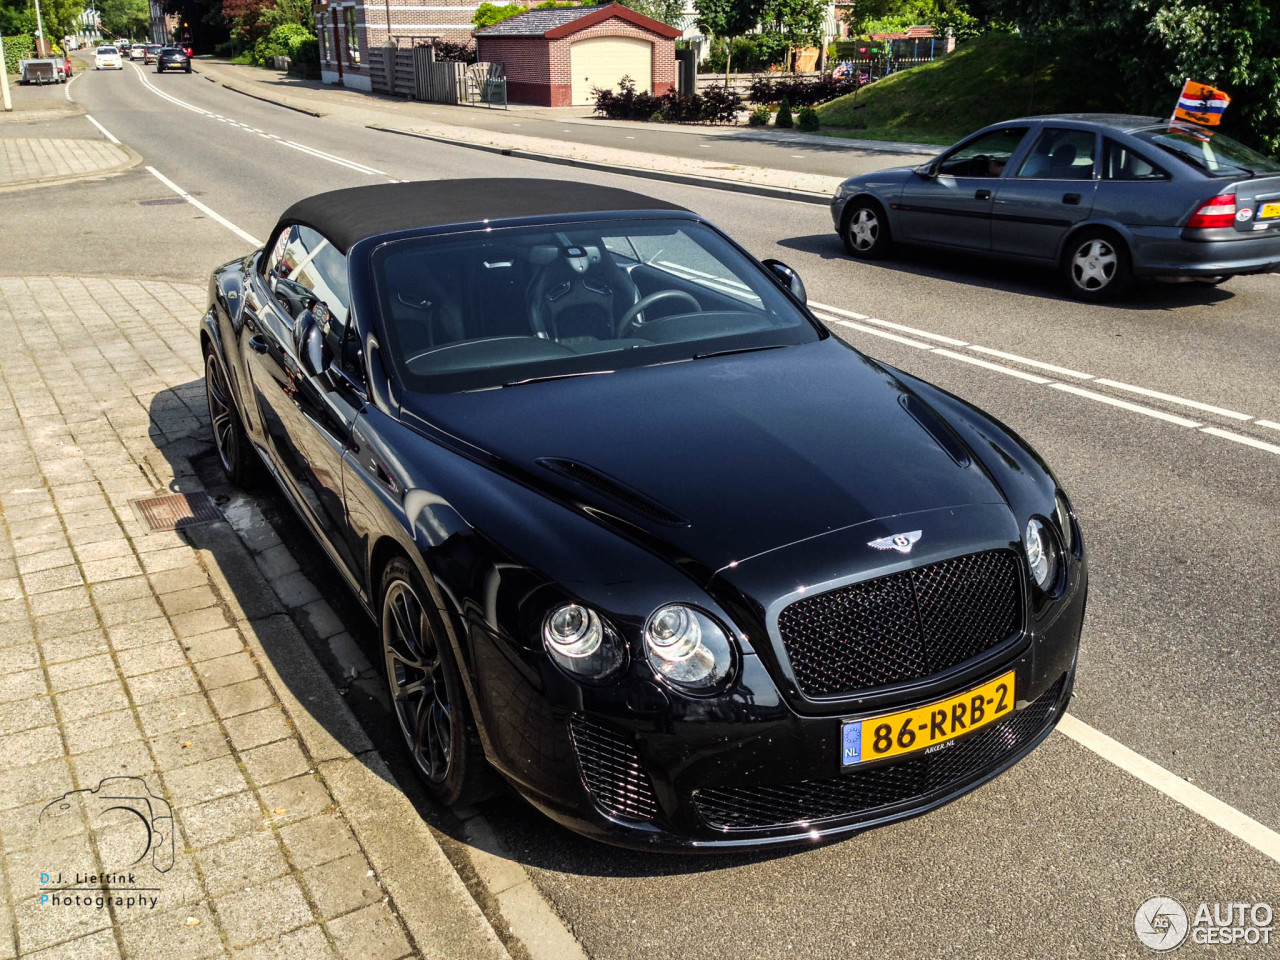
column 799, row 91
column 19, row 47
column 287, row 40
column 712, row 105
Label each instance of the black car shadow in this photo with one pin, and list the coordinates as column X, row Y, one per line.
column 529, row 836
column 990, row 274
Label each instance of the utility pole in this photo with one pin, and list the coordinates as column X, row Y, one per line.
column 4, row 80
column 40, row 31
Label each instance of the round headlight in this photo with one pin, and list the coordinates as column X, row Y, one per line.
column 581, row 642
column 1042, row 554
column 1062, row 513
column 687, row 647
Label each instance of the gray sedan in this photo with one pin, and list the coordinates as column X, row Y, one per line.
column 1104, row 198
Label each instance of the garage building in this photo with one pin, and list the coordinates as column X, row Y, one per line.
column 555, row 57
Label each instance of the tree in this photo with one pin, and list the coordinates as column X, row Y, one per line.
column 670, row 12
column 727, row 19
column 791, row 23
column 124, row 18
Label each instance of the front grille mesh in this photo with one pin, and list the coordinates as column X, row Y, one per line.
column 864, row 791
column 612, row 770
column 901, row 627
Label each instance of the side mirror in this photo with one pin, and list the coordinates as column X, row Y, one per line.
column 929, row 169
column 789, row 279
column 309, row 342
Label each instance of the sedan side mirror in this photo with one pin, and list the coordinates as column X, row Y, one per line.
column 929, row 169
column 309, row 342
column 789, row 279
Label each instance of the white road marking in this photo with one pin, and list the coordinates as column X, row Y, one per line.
column 1126, row 405
column 1262, row 838
column 986, row 364
column 243, row 235
column 1241, row 438
column 105, row 132
column 1038, row 364
column 1170, row 398
column 913, row 331
column 66, row 91
column 883, row 333
column 1269, row 424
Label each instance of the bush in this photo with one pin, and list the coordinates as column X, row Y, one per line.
column 713, row 105
column 20, row 47
column 447, row 52
column 783, row 119
column 759, row 117
column 808, row 120
column 799, row 91
column 228, row 49
column 284, row 41
column 748, row 57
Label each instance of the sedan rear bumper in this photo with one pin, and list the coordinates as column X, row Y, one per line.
column 1166, row 252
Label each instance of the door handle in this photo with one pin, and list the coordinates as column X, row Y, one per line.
column 1071, row 198
column 258, row 344
column 982, row 195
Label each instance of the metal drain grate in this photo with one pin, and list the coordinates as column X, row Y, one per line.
column 162, row 202
column 176, row 511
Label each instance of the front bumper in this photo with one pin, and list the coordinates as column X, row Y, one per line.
column 746, row 771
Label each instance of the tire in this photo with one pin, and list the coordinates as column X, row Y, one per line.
column 229, row 440
column 427, row 696
column 188, row 68
column 159, row 69
column 1096, row 266
column 865, row 230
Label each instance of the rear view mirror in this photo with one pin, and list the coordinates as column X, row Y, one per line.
column 789, row 278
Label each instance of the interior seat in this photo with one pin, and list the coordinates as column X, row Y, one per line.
column 577, row 292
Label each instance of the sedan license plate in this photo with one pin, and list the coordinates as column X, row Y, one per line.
column 910, row 731
column 1269, row 211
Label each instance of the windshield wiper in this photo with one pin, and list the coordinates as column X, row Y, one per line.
column 554, row 376
column 727, row 353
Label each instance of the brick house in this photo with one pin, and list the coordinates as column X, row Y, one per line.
column 348, row 29
column 555, row 57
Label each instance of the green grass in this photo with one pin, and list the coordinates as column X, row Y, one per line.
column 989, row 79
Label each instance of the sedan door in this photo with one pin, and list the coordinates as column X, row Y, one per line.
column 307, row 419
column 951, row 204
column 1051, row 191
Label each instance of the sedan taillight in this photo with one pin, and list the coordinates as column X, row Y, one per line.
column 1218, row 212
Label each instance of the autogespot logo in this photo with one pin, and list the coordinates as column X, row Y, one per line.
column 1161, row 923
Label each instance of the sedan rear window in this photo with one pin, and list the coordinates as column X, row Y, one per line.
column 1212, row 152
column 107, row 51
column 502, row 307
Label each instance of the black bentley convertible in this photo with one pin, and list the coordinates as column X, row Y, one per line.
column 641, row 535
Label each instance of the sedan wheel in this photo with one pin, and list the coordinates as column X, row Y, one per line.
column 224, row 421
column 1096, row 267
column 426, row 692
column 866, row 233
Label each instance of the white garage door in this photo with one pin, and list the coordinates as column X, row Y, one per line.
column 603, row 61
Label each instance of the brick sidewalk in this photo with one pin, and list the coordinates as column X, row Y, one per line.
column 26, row 160
column 161, row 668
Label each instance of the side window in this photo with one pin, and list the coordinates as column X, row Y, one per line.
column 305, row 271
column 1121, row 163
column 985, row 156
column 1060, row 154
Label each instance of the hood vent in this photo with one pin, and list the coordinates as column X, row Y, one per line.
column 945, row 437
column 613, row 489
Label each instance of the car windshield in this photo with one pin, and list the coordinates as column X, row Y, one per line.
column 107, row 51
column 509, row 306
column 1212, row 152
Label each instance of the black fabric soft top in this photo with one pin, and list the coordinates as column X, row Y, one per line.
column 346, row 216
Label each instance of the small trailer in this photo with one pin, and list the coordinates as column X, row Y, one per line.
column 42, row 71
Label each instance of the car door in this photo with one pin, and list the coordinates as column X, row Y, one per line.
column 306, row 419
column 951, row 203
column 1051, row 190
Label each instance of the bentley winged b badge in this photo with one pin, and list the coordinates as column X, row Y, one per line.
column 902, row 542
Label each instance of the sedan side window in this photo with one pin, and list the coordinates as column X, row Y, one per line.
column 306, row 272
column 1121, row 163
column 1060, row 154
column 984, row 157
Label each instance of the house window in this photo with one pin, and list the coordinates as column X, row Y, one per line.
column 353, row 41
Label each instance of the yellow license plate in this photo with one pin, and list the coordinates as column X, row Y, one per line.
column 1269, row 210
column 910, row 731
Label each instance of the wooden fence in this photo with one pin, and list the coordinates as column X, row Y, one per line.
column 400, row 80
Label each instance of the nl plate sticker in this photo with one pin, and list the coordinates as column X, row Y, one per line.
column 851, row 748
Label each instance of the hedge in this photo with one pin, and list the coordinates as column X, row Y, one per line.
column 19, row 47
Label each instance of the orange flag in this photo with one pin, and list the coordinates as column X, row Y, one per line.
column 1201, row 104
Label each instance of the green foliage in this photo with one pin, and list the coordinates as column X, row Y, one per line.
column 670, row 12
column 793, row 23
column 296, row 12
column 728, row 18
column 287, row 40
column 125, row 18
column 487, row 14
column 759, row 117
column 747, row 56
column 783, row 119
column 807, row 120
column 19, row 47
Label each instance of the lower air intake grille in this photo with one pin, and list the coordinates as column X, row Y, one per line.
column 862, row 792
column 612, row 770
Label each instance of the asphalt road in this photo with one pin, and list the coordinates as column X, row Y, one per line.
column 1179, row 648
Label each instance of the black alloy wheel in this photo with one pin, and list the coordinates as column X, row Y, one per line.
column 224, row 421
column 426, row 691
column 866, row 230
column 1096, row 266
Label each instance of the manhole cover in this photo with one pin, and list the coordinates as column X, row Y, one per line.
column 162, row 202
column 176, row 510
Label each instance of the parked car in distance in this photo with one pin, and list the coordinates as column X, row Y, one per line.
column 107, row 58
column 640, row 533
column 1102, row 197
column 172, row 58
column 150, row 52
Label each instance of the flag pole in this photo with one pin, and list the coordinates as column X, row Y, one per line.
column 1182, row 86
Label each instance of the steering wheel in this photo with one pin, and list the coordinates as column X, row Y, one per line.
column 628, row 320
